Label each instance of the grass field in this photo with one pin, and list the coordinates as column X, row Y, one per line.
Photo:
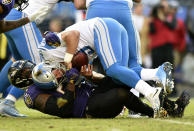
column 37, row 121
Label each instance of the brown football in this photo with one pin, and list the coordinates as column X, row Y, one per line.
column 79, row 59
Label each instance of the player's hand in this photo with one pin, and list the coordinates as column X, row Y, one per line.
column 52, row 39
column 39, row 15
column 87, row 72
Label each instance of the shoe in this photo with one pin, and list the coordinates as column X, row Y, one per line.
column 182, row 102
column 156, row 99
column 164, row 77
column 7, row 108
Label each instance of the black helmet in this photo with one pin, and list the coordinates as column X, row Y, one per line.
column 22, row 4
column 19, row 73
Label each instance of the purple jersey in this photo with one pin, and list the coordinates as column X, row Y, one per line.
column 7, row 5
column 82, row 94
column 33, row 91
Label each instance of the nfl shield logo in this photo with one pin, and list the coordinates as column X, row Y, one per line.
column 6, row 2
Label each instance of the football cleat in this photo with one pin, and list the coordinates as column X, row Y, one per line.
column 156, row 99
column 7, row 108
column 164, row 77
column 182, row 102
column 176, row 108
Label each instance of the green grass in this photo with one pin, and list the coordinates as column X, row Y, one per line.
column 37, row 121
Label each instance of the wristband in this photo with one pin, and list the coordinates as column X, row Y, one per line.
column 68, row 57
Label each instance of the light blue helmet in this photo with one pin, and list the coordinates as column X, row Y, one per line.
column 43, row 77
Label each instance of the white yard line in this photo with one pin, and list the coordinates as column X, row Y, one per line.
column 176, row 122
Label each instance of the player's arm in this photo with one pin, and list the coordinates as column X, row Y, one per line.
column 57, row 106
column 10, row 25
column 71, row 40
column 80, row 4
column 137, row 1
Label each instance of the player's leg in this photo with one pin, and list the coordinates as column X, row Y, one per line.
column 109, row 49
column 7, row 106
column 176, row 108
column 105, row 105
column 6, row 92
column 3, row 75
column 99, row 104
column 121, row 11
column 135, row 104
column 24, row 42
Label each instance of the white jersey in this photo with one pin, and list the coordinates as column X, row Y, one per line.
column 129, row 1
column 53, row 55
column 86, row 41
column 35, row 5
column 86, row 29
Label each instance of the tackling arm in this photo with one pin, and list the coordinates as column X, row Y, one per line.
column 10, row 25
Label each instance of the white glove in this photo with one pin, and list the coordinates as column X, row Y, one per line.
column 39, row 15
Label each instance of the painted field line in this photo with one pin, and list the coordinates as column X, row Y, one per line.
column 176, row 122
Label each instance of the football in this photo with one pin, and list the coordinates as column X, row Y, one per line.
column 79, row 59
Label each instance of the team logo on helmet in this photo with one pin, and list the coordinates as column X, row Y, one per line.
column 6, row 2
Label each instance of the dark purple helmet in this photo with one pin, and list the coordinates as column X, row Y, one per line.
column 19, row 73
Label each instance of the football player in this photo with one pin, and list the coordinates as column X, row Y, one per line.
column 121, row 10
column 108, row 39
column 5, row 8
column 79, row 99
column 23, row 43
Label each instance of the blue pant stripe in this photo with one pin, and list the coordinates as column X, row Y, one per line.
column 108, row 39
column 100, row 46
column 32, row 45
column 104, row 41
column 38, row 58
column 27, row 41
